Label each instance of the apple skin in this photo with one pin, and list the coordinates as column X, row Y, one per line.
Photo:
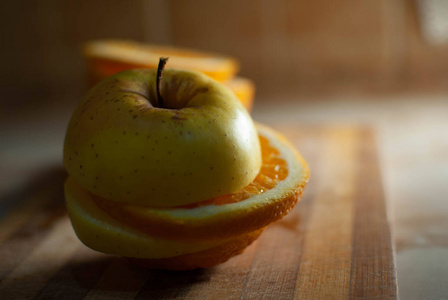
column 119, row 145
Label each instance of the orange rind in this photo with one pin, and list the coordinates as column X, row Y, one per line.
column 198, row 235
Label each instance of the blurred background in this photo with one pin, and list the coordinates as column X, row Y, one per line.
column 378, row 63
column 295, row 47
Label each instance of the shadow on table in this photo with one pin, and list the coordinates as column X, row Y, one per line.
column 104, row 276
column 172, row 284
column 46, row 185
column 40, row 202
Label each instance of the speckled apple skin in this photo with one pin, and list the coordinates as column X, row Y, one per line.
column 121, row 146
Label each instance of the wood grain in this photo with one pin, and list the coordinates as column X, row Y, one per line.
column 335, row 244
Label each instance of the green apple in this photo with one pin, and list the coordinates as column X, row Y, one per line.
column 123, row 145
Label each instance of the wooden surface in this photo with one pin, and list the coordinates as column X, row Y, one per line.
column 335, row 244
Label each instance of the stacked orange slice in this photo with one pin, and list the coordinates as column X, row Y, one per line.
column 199, row 235
column 107, row 57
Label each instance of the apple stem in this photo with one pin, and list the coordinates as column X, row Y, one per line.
column 161, row 66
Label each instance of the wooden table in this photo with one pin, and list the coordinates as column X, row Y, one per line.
column 335, row 244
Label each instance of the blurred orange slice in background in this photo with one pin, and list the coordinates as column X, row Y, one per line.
column 107, row 57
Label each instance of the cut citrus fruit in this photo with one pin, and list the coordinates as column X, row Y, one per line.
column 198, row 235
column 107, row 57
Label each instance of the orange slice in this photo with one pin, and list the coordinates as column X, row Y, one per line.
column 107, row 57
column 198, row 235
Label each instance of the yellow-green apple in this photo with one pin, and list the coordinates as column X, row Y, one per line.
column 186, row 138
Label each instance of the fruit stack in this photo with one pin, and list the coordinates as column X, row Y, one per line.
column 107, row 57
column 167, row 167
